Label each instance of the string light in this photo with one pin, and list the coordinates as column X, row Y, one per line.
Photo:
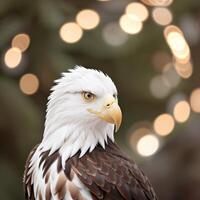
column 177, row 44
column 12, row 57
column 137, row 10
column 162, row 16
column 130, row 25
column 113, row 35
column 181, row 111
column 159, row 88
column 21, row 41
column 195, row 100
column 71, row 32
column 184, row 70
column 29, row 84
column 136, row 134
column 148, row 145
column 164, row 124
column 157, row 2
column 170, row 76
column 88, row 19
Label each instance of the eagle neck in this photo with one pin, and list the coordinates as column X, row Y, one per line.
column 72, row 138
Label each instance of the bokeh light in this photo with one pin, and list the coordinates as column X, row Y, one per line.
column 88, row 19
column 159, row 87
column 21, row 41
column 71, row 32
column 138, row 11
column 170, row 76
column 164, row 124
column 148, row 145
column 113, row 35
column 195, row 100
column 162, row 16
column 177, row 44
column 12, row 57
column 160, row 59
column 157, row 2
column 184, row 70
column 130, row 25
column 137, row 133
column 181, row 111
column 29, row 84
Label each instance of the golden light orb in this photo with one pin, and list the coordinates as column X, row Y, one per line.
column 162, row 16
column 71, row 32
column 164, row 124
column 88, row 19
column 138, row 11
column 130, row 25
column 195, row 100
column 177, row 43
column 181, row 111
column 157, row 2
column 29, row 84
column 148, row 145
column 12, row 57
column 21, row 41
column 184, row 70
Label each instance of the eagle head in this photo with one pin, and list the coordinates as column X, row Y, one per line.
column 82, row 111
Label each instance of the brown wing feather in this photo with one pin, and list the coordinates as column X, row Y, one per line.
column 110, row 175
column 28, row 187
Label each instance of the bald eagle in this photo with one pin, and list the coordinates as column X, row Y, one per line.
column 78, row 158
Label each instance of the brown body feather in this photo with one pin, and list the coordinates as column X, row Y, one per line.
column 107, row 173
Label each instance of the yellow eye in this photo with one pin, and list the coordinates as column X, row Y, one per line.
column 88, row 96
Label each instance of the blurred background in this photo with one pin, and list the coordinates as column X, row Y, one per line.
column 150, row 48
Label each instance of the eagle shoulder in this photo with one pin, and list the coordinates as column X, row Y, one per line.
column 111, row 175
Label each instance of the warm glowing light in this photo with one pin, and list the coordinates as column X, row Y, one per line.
column 157, row 2
column 88, row 19
column 160, row 59
column 71, row 32
column 113, row 35
column 177, row 43
column 148, row 145
column 195, row 100
column 21, row 41
column 182, row 111
column 162, row 16
column 170, row 76
column 12, row 57
column 164, row 124
column 29, row 84
column 138, row 11
column 184, row 70
column 137, row 134
column 159, row 87
column 130, row 25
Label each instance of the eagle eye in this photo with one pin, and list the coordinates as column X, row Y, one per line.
column 88, row 96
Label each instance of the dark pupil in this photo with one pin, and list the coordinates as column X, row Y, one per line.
column 89, row 95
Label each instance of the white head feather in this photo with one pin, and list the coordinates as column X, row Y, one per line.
column 69, row 127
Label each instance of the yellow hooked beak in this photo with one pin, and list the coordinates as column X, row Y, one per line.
column 110, row 112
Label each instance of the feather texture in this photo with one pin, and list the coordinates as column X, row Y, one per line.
column 102, row 174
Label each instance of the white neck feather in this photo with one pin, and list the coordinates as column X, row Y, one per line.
column 69, row 139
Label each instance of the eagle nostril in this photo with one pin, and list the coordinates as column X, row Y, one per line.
column 108, row 105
